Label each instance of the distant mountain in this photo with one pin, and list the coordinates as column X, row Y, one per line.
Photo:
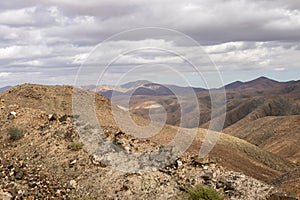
column 5, row 88
column 234, row 85
column 147, row 88
column 135, row 84
column 245, row 101
column 259, row 83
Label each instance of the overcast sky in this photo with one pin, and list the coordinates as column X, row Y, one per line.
column 46, row 41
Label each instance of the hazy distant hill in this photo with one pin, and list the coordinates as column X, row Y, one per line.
column 5, row 88
column 146, row 88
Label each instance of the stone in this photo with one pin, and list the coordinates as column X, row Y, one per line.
column 73, row 183
column 127, row 149
column 73, row 162
column 229, row 187
column 63, row 118
column 12, row 115
column 201, row 161
column 282, row 196
column 207, row 176
column 5, row 195
column 19, row 175
column 179, row 163
column 52, row 117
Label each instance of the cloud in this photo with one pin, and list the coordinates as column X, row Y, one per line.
column 52, row 38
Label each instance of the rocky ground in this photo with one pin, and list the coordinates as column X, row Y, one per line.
column 52, row 162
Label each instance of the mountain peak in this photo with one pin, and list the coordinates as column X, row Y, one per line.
column 263, row 78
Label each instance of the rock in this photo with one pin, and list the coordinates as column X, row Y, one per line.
column 221, row 183
column 30, row 198
column 179, row 163
column 282, row 196
column 73, row 162
column 13, row 191
column 58, row 192
column 5, row 195
column 12, row 115
column 21, row 163
column 205, row 167
column 229, row 187
column 63, row 118
column 73, row 183
column 127, row 149
column 207, row 176
column 19, row 175
column 201, row 161
column 52, row 117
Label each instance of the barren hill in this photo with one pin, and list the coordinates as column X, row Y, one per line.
column 33, row 103
column 277, row 134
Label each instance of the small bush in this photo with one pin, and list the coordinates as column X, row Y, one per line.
column 15, row 133
column 203, row 193
column 75, row 146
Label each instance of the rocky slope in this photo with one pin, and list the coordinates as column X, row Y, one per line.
column 47, row 161
column 276, row 134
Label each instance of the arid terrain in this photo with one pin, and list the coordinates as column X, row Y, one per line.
column 255, row 157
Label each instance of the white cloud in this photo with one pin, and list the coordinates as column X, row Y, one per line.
column 4, row 74
column 238, row 35
column 24, row 16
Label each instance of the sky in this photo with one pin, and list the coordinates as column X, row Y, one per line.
column 202, row 43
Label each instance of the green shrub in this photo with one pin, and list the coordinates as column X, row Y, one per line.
column 75, row 146
column 15, row 133
column 201, row 192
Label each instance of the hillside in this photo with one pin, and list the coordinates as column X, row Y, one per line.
column 43, row 153
column 276, row 134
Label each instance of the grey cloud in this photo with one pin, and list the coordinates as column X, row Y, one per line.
column 53, row 37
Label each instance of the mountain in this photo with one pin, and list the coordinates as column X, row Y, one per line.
column 5, row 88
column 135, row 84
column 259, row 83
column 250, row 100
column 263, row 86
column 45, row 115
column 146, row 88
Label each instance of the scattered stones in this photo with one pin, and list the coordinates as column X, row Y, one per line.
column 44, row 170
column 282, row 196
